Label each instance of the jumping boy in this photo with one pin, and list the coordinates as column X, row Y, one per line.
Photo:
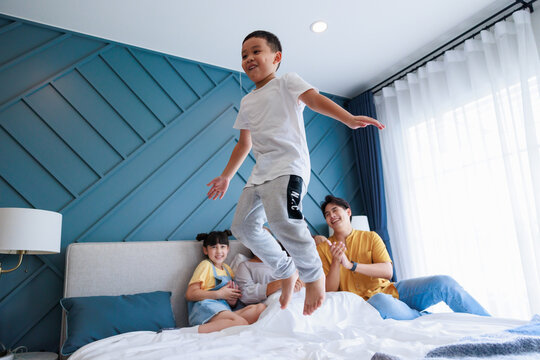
column 271, row 121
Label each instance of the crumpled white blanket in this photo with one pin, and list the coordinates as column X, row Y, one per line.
column 345, row 327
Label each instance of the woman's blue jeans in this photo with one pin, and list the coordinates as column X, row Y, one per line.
column 416, row 295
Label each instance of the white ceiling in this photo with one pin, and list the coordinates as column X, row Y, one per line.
column 366, row 41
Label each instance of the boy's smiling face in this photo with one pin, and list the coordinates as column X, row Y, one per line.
column 259, row 61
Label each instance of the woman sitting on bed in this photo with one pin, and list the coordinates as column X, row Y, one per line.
column 256, row 280
column 212, row 293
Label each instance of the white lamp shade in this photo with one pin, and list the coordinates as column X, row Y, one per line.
column 35, row 231
column 358, row 222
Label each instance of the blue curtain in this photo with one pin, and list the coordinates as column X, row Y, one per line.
column 369, row 166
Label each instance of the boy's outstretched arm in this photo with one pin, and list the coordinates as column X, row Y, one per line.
column 325, row 106
column 239, row 153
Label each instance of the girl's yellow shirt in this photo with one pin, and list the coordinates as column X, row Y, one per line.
column 205, row 275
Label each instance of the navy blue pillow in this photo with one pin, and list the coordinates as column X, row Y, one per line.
column 93, row 318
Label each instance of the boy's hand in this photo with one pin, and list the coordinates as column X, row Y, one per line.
column 219, row 187
column 361, row 121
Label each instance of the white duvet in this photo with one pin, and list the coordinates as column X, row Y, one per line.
column 345, row 327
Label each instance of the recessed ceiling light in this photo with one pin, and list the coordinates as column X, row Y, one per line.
column 319, row 26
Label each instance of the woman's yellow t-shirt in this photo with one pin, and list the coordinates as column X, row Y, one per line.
column 363, row 247
column 205, row 275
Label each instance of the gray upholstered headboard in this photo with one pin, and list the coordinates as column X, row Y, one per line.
column 119, row 268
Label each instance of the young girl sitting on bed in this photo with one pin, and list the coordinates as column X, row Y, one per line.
column 212, row 293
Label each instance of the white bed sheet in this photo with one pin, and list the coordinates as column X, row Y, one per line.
column 345, row 327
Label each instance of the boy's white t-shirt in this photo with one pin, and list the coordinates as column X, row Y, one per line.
column 274, row 116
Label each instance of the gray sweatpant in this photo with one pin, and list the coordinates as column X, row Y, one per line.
column 279, row 202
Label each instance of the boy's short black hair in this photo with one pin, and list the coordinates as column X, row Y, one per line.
column 271, row 39
column 331, row 199
column 214, row 238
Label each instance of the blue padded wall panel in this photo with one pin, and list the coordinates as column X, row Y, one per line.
column 35, row 37
column 166, row 75
column 32, row 71
column 32, row 265
column 48, row 148
column 25, row 302
column 165, row 182
column 8, row 195
column 141, row 84
column 98, row 113
column 216, row 75
column 73, row 129
column 107, row 83
column 122, row 142
column 4, row 21
column 41, row 336
column 194, row 75
column 26, row 175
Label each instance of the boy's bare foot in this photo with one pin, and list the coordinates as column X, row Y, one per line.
column 287, row 288
column 314, row 295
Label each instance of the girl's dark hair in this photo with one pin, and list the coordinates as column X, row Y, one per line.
column 271, row 39
column 215, row 237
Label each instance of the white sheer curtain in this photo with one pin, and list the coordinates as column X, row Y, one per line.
column 461, row 160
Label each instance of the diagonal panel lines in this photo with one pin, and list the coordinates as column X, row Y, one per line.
column 33, row 51
column 10, row 27
column 51, row 78
column 175, row 191
column 220, row 149
column 155, row 80
column 147, row 180
column 142, row 148
column 131, row 89
column 166, row 138
column 104, row 98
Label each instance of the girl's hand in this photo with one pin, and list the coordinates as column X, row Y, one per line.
column 361, row 121
column 230, row 293
column 219, row 187
column 233, row 285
